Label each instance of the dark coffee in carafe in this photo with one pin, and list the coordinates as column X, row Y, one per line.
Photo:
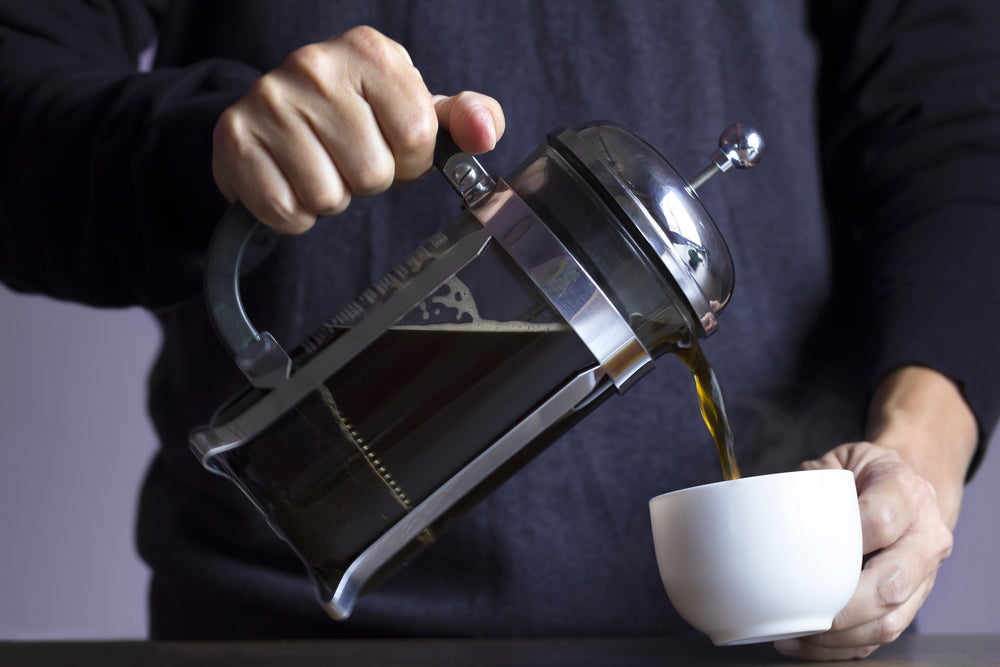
column 365, row 447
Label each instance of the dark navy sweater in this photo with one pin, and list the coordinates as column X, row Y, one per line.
column 864, row 241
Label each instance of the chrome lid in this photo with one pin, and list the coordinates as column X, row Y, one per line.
column 664, row 207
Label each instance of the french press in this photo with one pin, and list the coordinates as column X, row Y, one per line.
column 550, row 291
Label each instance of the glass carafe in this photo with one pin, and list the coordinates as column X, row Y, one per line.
column 547, row 293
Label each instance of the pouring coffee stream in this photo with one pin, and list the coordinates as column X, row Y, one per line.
column 739, row 146
column 550, row 291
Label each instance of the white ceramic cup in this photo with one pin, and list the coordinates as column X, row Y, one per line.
column 760, row 558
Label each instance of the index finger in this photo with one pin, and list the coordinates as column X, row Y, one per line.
column 885, row 489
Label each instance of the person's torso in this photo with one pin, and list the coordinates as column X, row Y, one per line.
column 564, row 547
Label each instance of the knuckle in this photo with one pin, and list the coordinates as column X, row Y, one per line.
column 341, row 205
column 465, row 97
column 308, row 58
column 923, row 490
column 233, row 144
column 946, row 541
column 890, row 627
column 413, row 150
column 865, row 651
column 840, row 621
column 939, row 546
column 279, row 209
column 372, row 177
column 230, row 131
column 327, row 202
column 282, row 213
column 418, row 135
column 295, row 227
column 880, row 523
column 894, row 589
column 312, row 65
column 269, row 93
column 468, row 101
column 369, row 43
column 335, row 208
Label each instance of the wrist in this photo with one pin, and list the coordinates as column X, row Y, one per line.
column 922, row 415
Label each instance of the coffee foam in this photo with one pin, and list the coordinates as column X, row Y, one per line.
column 486, row 326
column 459, row 298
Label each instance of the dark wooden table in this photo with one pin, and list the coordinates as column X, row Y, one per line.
column 940, row 651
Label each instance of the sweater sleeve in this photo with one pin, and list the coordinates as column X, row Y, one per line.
column 910, row 118
column 106, row 191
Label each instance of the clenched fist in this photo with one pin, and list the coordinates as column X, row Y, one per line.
column 347, row 117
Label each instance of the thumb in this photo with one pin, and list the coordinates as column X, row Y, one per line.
column 475, row 121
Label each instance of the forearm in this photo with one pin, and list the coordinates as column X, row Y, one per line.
column 911, row 158
column 106, row 196
column 909, row 476
column 922, row 415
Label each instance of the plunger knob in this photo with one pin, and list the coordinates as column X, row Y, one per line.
column 739, row 146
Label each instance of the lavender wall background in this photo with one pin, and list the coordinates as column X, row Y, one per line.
column 75, row 443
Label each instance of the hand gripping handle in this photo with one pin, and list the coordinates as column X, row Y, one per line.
column 258, row 354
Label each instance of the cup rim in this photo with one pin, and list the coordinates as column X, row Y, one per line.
column 749, row 479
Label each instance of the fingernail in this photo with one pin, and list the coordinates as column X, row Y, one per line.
column 788, row 646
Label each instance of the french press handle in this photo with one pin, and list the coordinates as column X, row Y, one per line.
column 261, row 358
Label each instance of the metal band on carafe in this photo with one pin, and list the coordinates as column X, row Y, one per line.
column 557, row 275
column 566, row 285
